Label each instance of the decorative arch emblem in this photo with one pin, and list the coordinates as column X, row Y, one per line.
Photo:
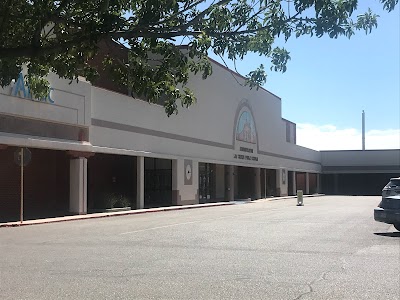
column 245, row 138
column 245, row 128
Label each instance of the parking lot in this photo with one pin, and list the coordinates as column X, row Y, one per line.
column 330, row 248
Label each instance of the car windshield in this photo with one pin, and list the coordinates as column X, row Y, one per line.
column 393, row 183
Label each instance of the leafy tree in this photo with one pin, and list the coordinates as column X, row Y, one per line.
column 63, row 36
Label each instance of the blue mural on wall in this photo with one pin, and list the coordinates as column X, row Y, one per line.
column 245, row 129
column 21, row 89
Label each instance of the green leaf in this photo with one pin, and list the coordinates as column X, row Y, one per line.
column 136, row 44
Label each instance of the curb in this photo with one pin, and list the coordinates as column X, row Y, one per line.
column 286, row 198
column 110, row 214
column 139, row 211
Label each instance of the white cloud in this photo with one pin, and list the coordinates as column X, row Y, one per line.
column 329, row 137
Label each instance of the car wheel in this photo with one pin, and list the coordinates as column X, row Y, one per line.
column 397, row 226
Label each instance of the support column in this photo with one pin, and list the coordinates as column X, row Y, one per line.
column 185, row 182
column 318, row 183
column 307, row 183
column 229, row 183
column 294, row 188
column 257, row 183
column 265, row 184
column 78, row 186
column 140, row 182
column 281, row 183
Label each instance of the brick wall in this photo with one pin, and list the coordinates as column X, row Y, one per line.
column 46, row 185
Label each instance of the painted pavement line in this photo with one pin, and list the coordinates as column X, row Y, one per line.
column 198, row 221
column 158, row 227
column 224, row 217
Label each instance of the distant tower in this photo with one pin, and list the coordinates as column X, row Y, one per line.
column 363, row 130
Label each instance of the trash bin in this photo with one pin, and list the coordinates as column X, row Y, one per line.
column 300, row 198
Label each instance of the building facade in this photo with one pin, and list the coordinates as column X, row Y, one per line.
column 94, row 148
column 357, row 172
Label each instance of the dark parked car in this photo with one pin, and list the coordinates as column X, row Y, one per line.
column 388, row 211
column 392, row 188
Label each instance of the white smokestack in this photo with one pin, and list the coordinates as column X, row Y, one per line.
column 363, row 130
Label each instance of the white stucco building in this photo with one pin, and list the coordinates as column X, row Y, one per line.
column 94, row 148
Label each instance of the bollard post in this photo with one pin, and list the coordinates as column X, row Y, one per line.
column 300, row 198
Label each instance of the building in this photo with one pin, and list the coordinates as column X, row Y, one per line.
column 357, row 172
column 94, row 148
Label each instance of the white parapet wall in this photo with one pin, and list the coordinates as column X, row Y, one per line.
column 361, row 161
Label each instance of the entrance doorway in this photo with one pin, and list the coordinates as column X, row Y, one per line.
column 313, row 183
column 207, row 182
column 111, row 182
column 301, row 181
column 245, row 183
column 157, row 182
column 271, row 182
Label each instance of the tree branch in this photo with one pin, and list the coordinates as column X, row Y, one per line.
column 29, row 51
column 230, row 71
column 194, row 4
column 62, row 5
column 5, row 17
column 196, row 19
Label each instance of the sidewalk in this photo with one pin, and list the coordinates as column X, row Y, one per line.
column 138, row 211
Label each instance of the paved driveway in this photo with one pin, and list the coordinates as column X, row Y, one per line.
column 329, row 249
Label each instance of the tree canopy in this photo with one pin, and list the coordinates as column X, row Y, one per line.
column 63, row 36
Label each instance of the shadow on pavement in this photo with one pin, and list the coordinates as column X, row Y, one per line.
column 389, row 234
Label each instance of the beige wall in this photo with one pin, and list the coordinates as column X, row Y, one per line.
column 72, row 106
column 122, row 125
column 204, row 132
column 71, row 103
column 292, row 131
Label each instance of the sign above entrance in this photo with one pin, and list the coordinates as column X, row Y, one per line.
column 21, row 90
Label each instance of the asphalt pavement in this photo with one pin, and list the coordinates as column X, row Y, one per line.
column 330, row 248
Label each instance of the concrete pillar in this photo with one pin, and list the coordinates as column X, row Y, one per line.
column 140, row 182
column 229, row 183
column 78, row 186
column 236, row 182
column 281, row 183
column 307, row 183
column 257, row 183
column 265, row 183
column 294, row 188
column 277, row 192
column 318, row 183
column 185, row 182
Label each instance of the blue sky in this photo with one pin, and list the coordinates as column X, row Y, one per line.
column 330, row 81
